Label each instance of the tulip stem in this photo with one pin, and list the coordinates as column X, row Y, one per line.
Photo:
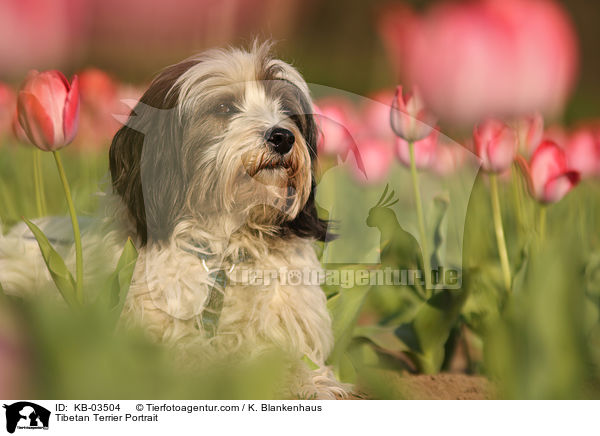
column 518, row 195
column 40, row 199
column 420, row 217
column 75, row 223
column 542, row 228
column 497, row 216
column 36, row 183
column 41, row 178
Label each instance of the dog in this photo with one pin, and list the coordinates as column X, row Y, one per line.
column 213, row 173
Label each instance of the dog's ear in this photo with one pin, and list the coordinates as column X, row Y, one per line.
column 307, row 223
column 145, row 158
column 124, row 159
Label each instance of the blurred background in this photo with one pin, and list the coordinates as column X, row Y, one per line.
column 333, row 45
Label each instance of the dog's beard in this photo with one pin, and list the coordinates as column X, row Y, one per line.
column 272, row 188
column 240, row 177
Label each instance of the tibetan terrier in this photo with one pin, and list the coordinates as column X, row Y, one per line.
column 212, row 175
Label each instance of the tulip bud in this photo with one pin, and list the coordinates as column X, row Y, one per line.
column 583, row 152
column 530, row 131
column 495, row 145
column 550, row 178
column 425, row 151
column 376, row 115
column 408, row 117
column 48, row 109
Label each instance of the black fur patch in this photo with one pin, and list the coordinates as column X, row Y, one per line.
column 144, row 159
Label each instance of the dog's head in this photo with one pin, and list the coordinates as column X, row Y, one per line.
column 228, row 134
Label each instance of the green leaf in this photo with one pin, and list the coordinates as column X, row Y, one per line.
column 482, row 309
column 521, row 268
column 437, row 230
column 309, row 362
column 429, row 331
column 56, row 266
column 384, row 337
column 345, row 370
column 540, row 347
column 345, row 308
column 113, row 296
column 354, row 360
column 592, row 275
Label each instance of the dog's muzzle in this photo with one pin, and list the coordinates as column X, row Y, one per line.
column 280, row 140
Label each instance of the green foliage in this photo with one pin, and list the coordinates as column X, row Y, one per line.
column 78, row 354
column 114, row 289
column 344, row 308
column 541, row 342
column 63, row 279
column 311, row 365
column 87, row 171
column 429, row 330
column 436, row 231
column 112, row 297
column 537, row 349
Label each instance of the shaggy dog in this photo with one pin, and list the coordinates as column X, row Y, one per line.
column 211, row 175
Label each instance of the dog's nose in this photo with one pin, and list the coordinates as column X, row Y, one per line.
column 280, row 140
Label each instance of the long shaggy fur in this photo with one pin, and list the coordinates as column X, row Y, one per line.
column 194, row 178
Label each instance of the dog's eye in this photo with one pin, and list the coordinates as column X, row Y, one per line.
column 287, row 110
column 225, row 109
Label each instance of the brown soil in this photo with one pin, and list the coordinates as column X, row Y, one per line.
column 445, row 387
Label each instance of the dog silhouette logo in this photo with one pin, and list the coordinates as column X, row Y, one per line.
column 25, row 415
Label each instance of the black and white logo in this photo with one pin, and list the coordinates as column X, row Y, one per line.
column 26, row 416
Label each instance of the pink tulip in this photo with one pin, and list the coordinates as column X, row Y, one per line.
column 7, row 107
column 425, row 151
column 48, row 109
column 408, row 116
column 549, row 175
column 376, row 115
column 530, row 131
column 377, row 157
column 488, row 58
column 18, row 131
column 495, row 145
column 583, row 152
column 338, row 124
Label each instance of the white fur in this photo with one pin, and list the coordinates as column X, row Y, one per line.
column 169, row 291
